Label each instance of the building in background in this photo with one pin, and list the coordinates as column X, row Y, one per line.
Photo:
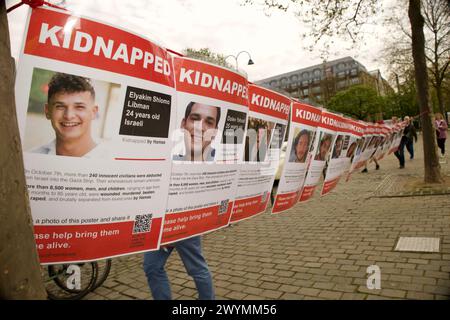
column 318, row 83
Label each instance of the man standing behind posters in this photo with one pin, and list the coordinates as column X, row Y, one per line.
column 71, row 108
column 200, row 126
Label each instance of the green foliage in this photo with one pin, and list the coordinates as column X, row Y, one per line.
column 359, row 102
column 205, row 54
column 38, row 91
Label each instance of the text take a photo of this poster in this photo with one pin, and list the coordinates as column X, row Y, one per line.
column 266, row 127
column 302, row 134
column 95, row 114
column 208, row 148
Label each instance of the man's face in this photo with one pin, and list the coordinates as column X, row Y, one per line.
column 71, row 114
column 200, row 126
column 324, row 148
column 302, row 147
column 338, row 146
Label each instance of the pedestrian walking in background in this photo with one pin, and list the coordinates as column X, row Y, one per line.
column 410, row 135
column 441, row 132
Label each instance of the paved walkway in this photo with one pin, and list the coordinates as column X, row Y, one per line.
column 318, row 250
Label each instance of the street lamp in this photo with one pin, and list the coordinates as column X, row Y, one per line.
column 250, row 61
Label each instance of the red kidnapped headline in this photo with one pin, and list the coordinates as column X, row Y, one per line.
column 303, row 113
column 206, row 80
column 67, row 38
column 268, row 102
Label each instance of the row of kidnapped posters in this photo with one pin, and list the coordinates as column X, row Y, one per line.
column 128, row 147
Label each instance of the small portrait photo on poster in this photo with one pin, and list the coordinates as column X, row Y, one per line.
column 67, row 115
column 325, row 142
column 338, row 145
column 300, row 145
column 351, row 150
column 199, row 126
column 257, row 140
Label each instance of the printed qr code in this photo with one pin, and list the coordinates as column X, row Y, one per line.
column 142, row 223
column 223, row 206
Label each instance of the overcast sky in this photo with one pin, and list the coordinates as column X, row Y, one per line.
column 224, row 26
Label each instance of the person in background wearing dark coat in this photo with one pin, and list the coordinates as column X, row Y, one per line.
column 410, row 135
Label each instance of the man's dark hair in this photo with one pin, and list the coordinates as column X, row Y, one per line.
column 68, row 83
column 300, row 134
column 189, row 109
column 326, row 137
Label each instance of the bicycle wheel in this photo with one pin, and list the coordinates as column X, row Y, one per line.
column 70, row 281
column 104, row 267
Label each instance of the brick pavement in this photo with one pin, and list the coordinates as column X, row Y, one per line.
column 318, row 250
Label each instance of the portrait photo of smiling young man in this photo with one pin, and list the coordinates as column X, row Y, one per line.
column 65, row 116
column 71, row 109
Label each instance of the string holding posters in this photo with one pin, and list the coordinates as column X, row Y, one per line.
column 266, row 127
column 95, row 115
column 302, row 134
column 208, row 148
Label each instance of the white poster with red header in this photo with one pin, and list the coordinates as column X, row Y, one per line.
column 368, row 146
column 393, row 129
column 266, row 127
column 325, row 138
column 384, row 145
column 397, row 137
column 302, row 133
column 338, row 155
column 375, row 142
column 95, row 105
column 208, row 148
column 357, row 129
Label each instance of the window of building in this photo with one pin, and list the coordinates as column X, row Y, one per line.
column 355, row 81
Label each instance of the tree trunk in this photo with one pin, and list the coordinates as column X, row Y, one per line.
column 431, row 158
column 20, row 276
